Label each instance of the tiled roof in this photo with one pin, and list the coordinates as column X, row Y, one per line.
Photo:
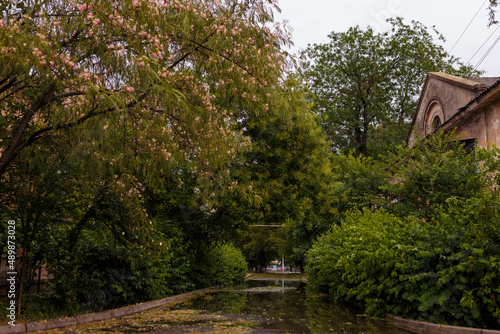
column 494, row 83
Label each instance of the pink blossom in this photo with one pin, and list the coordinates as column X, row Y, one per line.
column 130, row 89
column 83, row 7
column 143, row 34
column 96, row 22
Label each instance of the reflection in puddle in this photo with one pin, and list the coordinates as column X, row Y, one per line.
column 287, row 307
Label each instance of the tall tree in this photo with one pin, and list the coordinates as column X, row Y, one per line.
column 154, row 65
column 366, row 84
column 287, row 171
column 103, row 103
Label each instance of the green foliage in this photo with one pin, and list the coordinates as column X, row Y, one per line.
column 411, row 268
column 287, row 170
column 112, row 138
column 492, row 12
column 432, row 253
column 221, row 265
column 434, row 170
column 358, row 183
column 366, row 84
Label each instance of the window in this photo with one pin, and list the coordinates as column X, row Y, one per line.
column 434, row 117
column 436, row 123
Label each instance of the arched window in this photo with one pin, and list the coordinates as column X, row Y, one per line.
column 434, row 117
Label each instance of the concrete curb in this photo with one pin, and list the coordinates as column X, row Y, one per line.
column 92, row 317
column 421, row 327
column 247, row 276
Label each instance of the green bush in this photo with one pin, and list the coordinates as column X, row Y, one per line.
column 221, row 265
column 444, row 272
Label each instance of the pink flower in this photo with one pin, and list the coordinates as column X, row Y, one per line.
column 130, row 89
column 83, row 7
column 96, row 22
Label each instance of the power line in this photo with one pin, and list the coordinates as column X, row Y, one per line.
column 487, row 53
column 494, row 31
column 467, row 26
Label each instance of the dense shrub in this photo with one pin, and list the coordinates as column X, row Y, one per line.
column 444, row 272
column 221, row 265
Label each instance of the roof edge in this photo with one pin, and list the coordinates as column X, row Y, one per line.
column 466, row 83
column 469, row 105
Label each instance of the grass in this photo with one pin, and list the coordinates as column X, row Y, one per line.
column 276, row 276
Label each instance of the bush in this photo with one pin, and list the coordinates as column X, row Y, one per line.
column 445, row 272
column 221, row 265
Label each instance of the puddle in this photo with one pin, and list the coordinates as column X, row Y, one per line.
column 281, row 306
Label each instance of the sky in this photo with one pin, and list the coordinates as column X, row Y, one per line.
column 312, row 20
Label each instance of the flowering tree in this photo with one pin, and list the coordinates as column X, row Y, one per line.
column 151, row 65
column 104, row 101
column 492, row 12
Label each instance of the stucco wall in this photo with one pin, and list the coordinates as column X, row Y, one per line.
column 483, row 125
column 450, row 92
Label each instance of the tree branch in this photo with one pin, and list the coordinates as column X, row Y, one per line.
column 12, row 150
column 37, row 135
column 18, row 89
column 8, row 85
column 66, row 95
column 228, row 59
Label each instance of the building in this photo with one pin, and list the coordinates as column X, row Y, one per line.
column 469, row 105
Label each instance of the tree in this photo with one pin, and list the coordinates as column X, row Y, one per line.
column 104, row 103
column 430, row 173
column 366, row 84
column 287, row 170
column 492, row 9
column 151, row 65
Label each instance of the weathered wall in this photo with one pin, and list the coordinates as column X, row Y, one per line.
column 450, row 92
column 481, row 120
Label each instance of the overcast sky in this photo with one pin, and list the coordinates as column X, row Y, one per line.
column 313, row 20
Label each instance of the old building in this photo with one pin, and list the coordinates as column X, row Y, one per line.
column 469, row 105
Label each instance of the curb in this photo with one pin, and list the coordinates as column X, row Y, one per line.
column 421, row 327
column 247, row 276
column 92, row 317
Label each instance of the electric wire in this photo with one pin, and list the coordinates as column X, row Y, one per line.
column 467, row 26
column 487, row 53
column 486, row 41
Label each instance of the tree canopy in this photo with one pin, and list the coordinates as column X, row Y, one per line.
column 366, row 84
column 116, row 122
column 151, row 66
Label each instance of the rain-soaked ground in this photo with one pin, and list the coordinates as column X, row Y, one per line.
column 282, row 306
column 271, row 304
